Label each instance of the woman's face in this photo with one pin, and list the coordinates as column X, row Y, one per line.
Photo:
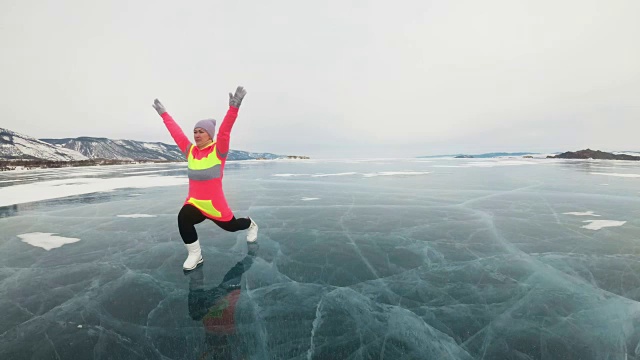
column 201, row 137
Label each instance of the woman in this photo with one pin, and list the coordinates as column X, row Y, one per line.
column 206, row 160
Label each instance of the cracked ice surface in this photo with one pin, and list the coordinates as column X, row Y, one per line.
column 445, row 259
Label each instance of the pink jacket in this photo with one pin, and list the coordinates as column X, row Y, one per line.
column 205, row 181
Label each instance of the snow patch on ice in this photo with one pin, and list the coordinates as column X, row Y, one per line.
column 599, row 224
column 586, row 213
column 451, row 166
column 137, row 216
column 392, row 173
column 147, row 172
column 381, row 173
column 617, row 174
column 338, row 174
column 501, row 163
column 309, row 199
column 46, row 190
column 16, row 180
column 46, row 241
column 289, row 175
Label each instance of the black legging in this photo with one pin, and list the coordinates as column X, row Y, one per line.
column 190, row 215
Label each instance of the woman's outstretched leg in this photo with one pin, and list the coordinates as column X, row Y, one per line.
column 234, row 225
column 188, row 217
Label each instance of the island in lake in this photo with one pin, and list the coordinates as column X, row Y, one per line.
column 593, row 154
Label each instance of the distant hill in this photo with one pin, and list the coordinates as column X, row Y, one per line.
column 15, row 146
column 582, row 154
column 594, row 154
column 481, row 156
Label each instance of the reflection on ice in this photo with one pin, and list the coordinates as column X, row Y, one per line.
column 215, row 307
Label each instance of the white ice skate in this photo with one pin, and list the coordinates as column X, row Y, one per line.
column 252, row 232
column 195, row 256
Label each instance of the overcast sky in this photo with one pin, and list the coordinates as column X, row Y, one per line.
column 330, row 78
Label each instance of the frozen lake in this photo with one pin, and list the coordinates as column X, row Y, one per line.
column 362, row 259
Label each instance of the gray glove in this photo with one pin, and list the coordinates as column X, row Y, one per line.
column 236, row 99
column 159, row 107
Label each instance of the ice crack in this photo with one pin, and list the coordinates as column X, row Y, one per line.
column 316, row 323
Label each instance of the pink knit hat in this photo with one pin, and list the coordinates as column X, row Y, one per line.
column 209, row 125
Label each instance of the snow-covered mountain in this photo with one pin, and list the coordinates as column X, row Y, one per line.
column 103, row 148
column 15, row 146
